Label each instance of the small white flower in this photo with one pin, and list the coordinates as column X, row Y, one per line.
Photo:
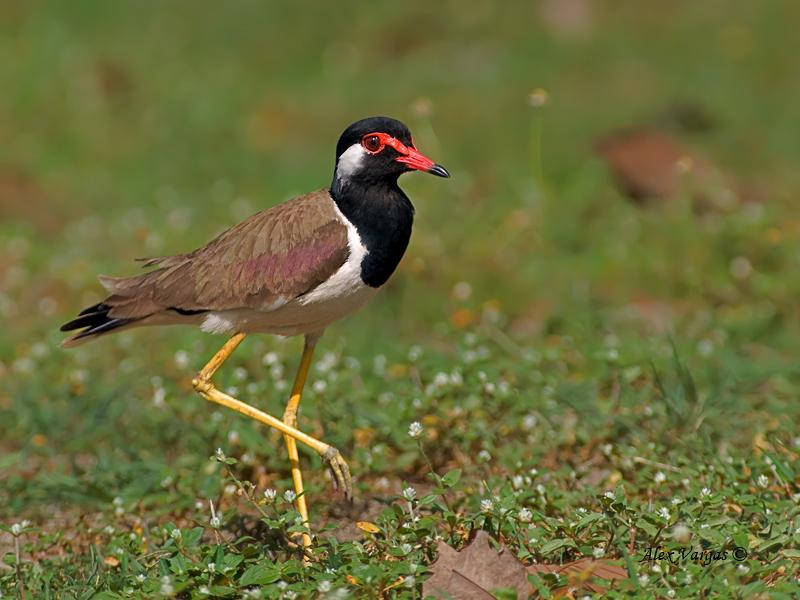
column 289, row 496
column 541, row 489
column 290, row 594
column 704, row 493
column 610, row 495
column 141, row 577
column 688, row 578
column 677, row 501
column 324, row 586
column 743, row 569
column 525, row 515
column 270, row 358
column 704, row 526
column 517, row 481
column 109, row 530
column 270, row 495
column 681, row 533
column 282, row 585
column 598, row 552
column 670, row 593
column 656, row 568
column 219, row 455
column 176, row 534
column 413, row 567
column 441, row 379
column 204, row 589
column 415, row 430
column 410, row 494
column 212, row 567
column 660, row 477
column 763, row 481
column 166, row 586
column 320, row 386
column 233, row 437
column 410, row 581
column 484, row 456
column 214, row 522
column 664, row 512
column 181, row 359
column 407, row 548
column 456, row 379
column 16, row 529
column 606, row 449
column 487, row 505
column 379, row 364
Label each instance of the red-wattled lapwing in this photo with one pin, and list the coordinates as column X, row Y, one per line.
column 293, row 269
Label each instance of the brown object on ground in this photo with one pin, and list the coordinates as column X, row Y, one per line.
column 22, row 199
column 649, row 164
column 477, row 570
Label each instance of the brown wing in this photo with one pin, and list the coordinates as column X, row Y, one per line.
column 280, row 253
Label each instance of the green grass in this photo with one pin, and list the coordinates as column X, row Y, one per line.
column 604, row 347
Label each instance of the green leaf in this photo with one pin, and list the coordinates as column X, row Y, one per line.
column 591, row 518
column 780, row 468
column 259, row 575
column 10, row 559
column 553, row 545
column 778, row 540
column 193, row 536
column 789, row 553
column 741, row 540
column 451, row 478
column 221, row 590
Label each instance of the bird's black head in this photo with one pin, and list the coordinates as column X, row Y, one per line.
column 377, row 150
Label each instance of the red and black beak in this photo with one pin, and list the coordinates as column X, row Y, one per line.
column 408, row 154
column 415, row 160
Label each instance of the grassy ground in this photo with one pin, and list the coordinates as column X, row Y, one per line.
column 601, row 374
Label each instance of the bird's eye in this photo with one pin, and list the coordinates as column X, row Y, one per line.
column 371, row 143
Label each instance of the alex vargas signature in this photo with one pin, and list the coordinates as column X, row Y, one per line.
column 706, row 557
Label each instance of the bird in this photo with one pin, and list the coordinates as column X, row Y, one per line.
column 293, row 269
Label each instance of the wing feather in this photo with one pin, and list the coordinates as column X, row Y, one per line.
column 278, row 254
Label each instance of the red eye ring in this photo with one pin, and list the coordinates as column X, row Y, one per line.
column 372, row 143
column 368, row 143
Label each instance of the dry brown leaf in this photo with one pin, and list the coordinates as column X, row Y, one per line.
column 479, row 569
column 649, row 164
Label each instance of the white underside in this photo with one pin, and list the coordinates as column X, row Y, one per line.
column 341, row 295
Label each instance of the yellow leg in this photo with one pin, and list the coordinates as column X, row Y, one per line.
column 290, row 419
column 329, row 455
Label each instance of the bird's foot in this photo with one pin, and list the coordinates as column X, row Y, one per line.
column 339, row 470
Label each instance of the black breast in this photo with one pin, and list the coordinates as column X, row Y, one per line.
column 383, row 218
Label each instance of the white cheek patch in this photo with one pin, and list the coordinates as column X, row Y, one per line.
column 350, row 162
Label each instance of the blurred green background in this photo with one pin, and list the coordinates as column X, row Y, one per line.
column 144, row 129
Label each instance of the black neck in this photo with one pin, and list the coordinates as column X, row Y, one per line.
column 382, row 214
